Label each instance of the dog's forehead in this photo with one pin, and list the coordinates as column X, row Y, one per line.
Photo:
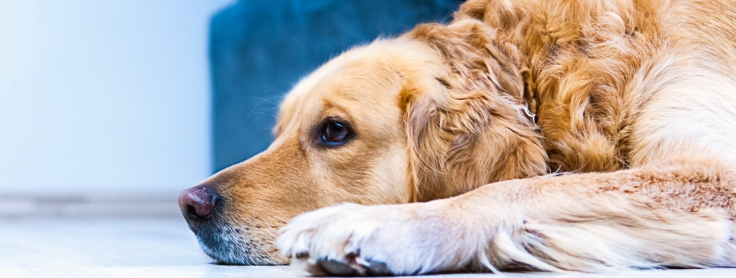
column 352, row 94
column 363, row 77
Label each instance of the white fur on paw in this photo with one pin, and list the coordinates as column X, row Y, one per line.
column 351, row 239
column 329, row 240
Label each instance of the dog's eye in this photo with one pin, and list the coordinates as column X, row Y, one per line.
column 335, row 133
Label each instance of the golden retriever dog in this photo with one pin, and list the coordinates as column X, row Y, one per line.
column 576, row 135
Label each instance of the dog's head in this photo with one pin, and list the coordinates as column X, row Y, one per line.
column 432, row 114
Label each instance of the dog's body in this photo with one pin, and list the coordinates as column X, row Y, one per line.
column 635, row 105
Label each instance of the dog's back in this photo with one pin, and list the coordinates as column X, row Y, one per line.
column 622, row 83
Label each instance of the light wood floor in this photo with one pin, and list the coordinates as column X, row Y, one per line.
column 157, row 247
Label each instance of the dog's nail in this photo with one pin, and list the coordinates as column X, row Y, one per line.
column 301, row 255
column 378, row 269
column 334, row 267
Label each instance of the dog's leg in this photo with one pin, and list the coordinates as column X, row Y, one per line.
column 669, row 214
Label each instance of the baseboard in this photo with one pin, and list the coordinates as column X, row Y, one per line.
column 130, row 204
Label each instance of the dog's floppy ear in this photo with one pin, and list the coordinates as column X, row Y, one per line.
column 466, row 126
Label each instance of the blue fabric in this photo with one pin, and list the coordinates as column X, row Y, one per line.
column 260, row 49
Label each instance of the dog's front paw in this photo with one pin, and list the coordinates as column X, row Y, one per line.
column 351, row 239
column 330, row 241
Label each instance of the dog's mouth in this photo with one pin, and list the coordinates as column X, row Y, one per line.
column 235, row 245
column 228, row 239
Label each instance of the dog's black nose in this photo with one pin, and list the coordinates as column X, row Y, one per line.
column 197, row 203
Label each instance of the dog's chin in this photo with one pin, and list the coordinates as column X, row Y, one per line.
column 234, row 246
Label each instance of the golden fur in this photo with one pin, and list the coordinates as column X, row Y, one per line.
column 630, row 161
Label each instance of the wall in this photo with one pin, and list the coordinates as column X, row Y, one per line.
column 109, row 95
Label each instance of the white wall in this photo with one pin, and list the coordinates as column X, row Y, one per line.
column 104, row 95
